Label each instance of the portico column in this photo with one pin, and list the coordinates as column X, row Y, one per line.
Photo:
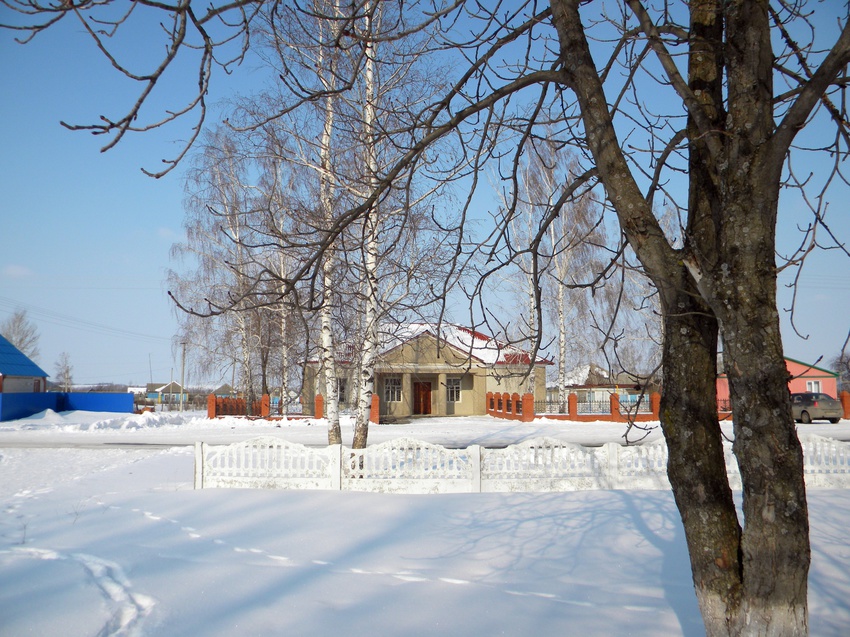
column 407, row 394
column 441, row 401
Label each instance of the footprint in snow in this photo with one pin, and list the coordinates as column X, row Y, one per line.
column 129, row 608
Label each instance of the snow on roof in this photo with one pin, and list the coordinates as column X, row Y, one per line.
column 479, row 346
column 13, row 362
column 173, row 386
column 577, row 376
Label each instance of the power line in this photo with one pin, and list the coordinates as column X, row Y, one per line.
column 64, row 320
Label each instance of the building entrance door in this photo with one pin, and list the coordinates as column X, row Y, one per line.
column 421, row 399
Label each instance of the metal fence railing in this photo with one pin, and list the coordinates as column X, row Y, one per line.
column 628, row 405
column 635, row 405
column 594, row 407
column 550, row 407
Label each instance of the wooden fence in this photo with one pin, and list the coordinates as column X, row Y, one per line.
column 412, row 466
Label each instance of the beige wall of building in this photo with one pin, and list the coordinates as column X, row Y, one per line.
column 420, row 378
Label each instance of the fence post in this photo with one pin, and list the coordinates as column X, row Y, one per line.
column 614, row 405
column 655, row 404
column 335, row 466
column 320, row 407
column 265, row 406
column 613, row 452
column 375, row 410
column 572, row 405
column 199, row 463
column 490, row 403
column 475, row 458
column 211, row 406
column 527, row 407
column 845, row 402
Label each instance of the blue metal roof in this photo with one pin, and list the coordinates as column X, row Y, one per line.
column 13, row 362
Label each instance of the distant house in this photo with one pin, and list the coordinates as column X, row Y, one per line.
column 593, row 384
column 18, row 374
column 804, row 378
column 225, row 391
column 423, row 370
column 168, row 394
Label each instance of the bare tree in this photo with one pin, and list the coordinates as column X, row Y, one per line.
column 219, row 226
column 64, row 372
column 704, row 97
column 360, row 86
column 21, row 332
column 841, row 365
column 565, row 277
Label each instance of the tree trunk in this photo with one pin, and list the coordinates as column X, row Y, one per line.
column 754, row 581
column 562, row 348
column 370, row 244
column 247, row 363
column 328, row 360
column 283, row 403
column 696, row 466
column 775, row 544
column 370, row 337
column 326, row 346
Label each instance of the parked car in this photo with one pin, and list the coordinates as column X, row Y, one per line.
column 811, row 406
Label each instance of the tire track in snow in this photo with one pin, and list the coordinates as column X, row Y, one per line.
column 129, row 609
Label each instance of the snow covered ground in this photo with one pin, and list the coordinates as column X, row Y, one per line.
column 107, row 537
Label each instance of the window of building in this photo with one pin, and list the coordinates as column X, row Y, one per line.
column 392, row 389
column 813, row 385
column 453, row 390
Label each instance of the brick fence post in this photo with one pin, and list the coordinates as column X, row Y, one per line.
column 845, row 402
column 265, row 406
column 211, row 406
column 572, row 405
column 490, row 406
column 655, row 404
column 614, row 402
column 375, row 410
column 320, row 407
column 527, row 407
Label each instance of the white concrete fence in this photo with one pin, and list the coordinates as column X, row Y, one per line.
column 413, row 466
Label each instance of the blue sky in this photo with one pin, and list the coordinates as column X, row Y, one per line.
column 85, row 236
